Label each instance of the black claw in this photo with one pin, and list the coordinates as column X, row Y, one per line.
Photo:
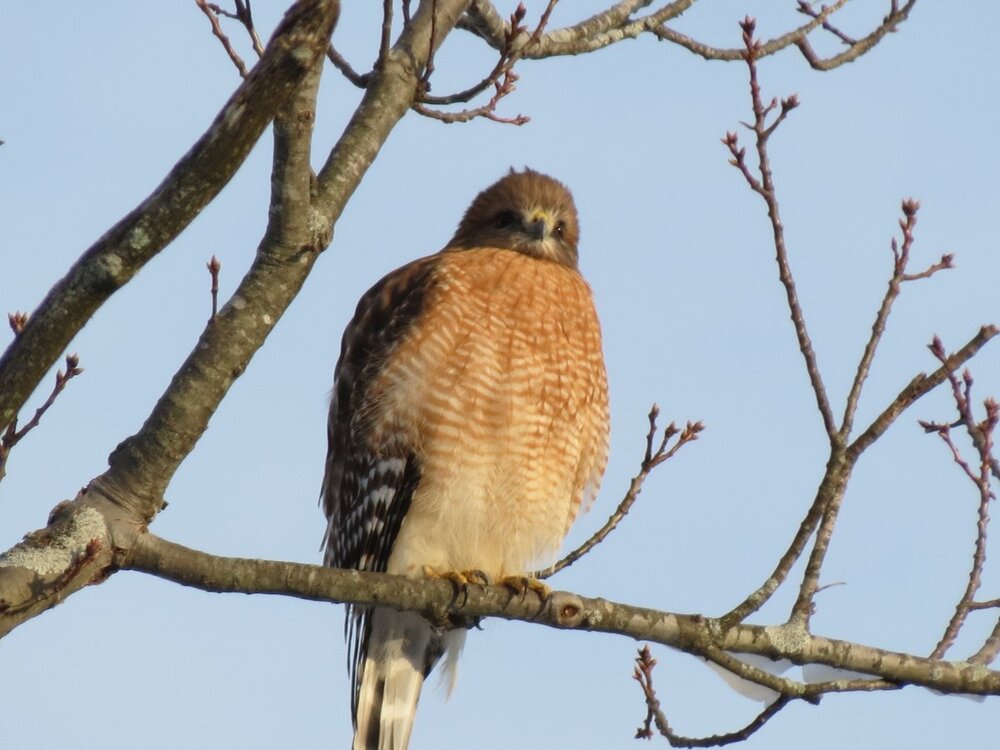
column 479, row 577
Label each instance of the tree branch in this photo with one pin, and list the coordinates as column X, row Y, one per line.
column 764, row 186
column 196, row 179
column 889, row 24
column 990, row 648
column 654, row 713
column 212, row 13
column 438, row 600
column 982, row 435
column 919, row 386
column 651, row 460
column 141, row 466
column 130, row 493
column 12, row 435
column 106, row 515
column 901, row 256
column 390, row 92
column 831, row 486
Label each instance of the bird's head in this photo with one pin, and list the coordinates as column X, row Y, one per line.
column 527, row 212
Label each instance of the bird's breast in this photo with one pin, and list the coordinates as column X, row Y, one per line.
column 501, row 389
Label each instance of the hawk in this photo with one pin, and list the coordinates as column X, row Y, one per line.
column 468, row 427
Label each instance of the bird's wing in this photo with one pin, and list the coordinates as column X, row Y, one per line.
column 368, row 483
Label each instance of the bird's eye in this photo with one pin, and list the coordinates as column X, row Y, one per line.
column 560, row 228
column 505, row 219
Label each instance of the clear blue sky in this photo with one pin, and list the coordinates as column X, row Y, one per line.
column 101, row 99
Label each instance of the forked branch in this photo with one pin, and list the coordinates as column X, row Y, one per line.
column 195, row 180
column 901, row 258
column 762, row 183
column 822, row 515
column 980, row 476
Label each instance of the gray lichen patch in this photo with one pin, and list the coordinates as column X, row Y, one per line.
column 86, row 525
column 111, row 265
column 788, row 638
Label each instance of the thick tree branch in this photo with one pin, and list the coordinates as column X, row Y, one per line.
column 117, row 504
column 130, row 493
column 196, row 179
column 438, row 600
column 485, row 21
column 73, row 551
column 141, row 466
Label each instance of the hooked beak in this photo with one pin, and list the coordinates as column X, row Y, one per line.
column 539, row 227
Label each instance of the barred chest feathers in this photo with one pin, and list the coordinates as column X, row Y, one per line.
column 502, row 393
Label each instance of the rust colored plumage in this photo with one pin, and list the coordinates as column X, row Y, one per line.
column 469, row 425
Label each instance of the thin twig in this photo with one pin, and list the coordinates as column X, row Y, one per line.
column 502, row 77
column 827, row 504
column 919, row 386
column 963, row 402
column 644, row 664
column 652, row 459
column 214, row 266
column 619, row 23
column 211, row 12
column 802, row 609
column 12, row 436
column 947, row 261
column 889, row 24
column 988, row 604
column 359, row 80
column 243, row 14
column 487, row 111
column 770, row 47
column 764, row 186
column 806, row 9
column 425, row 79
column 901, row 257
column 385, row 41
column 964, row 605
column 961, row 391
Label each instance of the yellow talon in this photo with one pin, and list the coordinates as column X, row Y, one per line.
column 460, row 578
column 523, row 584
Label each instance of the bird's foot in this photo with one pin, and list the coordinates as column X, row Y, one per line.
column 523, row 584
column 460, row 579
